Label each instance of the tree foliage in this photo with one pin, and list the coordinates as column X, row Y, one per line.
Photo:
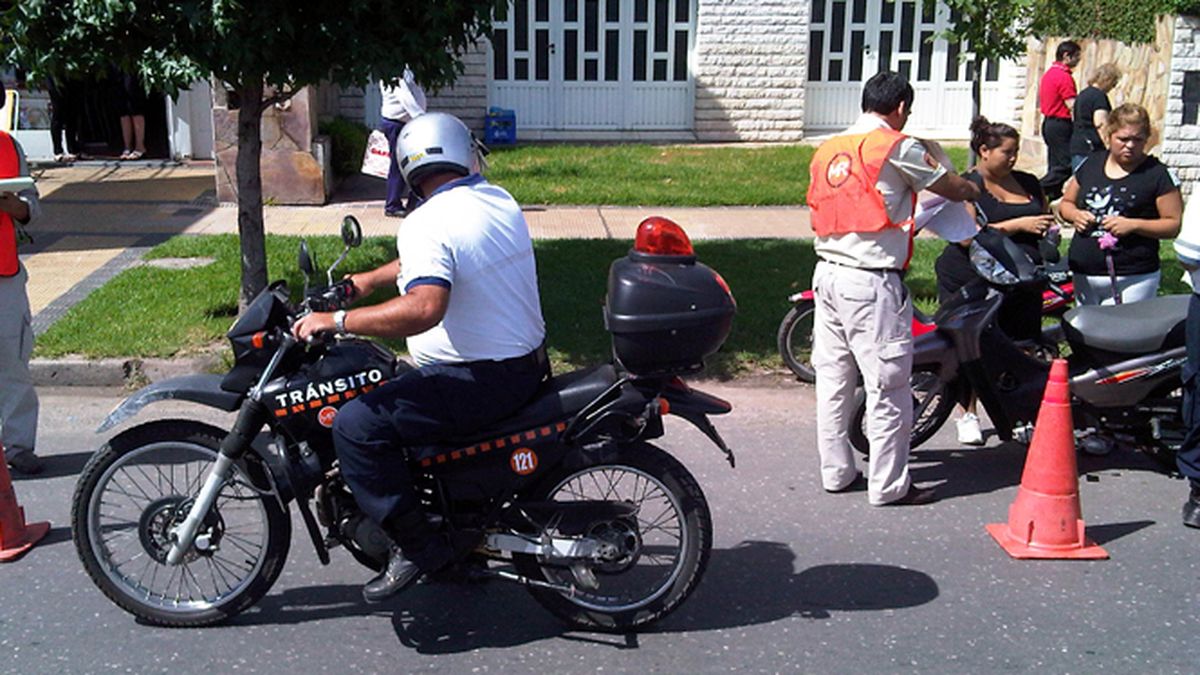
column 261, row 50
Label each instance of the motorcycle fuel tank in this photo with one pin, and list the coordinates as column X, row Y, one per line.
column 305, row 403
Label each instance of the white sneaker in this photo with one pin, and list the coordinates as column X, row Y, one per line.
column 969, row 432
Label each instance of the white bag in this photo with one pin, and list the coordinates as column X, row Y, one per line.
column 378, row 157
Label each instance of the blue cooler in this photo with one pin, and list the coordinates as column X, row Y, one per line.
column 500, row 126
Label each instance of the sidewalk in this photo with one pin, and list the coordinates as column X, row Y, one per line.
column 100, row 218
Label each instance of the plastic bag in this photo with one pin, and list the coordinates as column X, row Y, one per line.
column 378, row 157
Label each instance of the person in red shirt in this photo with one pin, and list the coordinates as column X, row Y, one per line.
column 1056, row 97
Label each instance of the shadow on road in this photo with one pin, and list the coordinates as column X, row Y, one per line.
column 962, row 472
column 58, row 466
column 752, row 583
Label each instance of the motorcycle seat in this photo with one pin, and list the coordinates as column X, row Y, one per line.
column 559, row 397
column 1134, row 328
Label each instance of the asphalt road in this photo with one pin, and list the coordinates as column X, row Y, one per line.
column 800, row 581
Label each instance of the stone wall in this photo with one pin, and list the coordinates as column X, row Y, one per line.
column 1181, row 143
column 291, row 172
column 749, row 70
column 467, row 97
column 1145, row 69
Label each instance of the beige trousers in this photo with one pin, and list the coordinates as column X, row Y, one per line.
column 18, row 400
column 863, row 323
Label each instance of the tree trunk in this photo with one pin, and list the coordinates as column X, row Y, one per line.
column 249, row 192
column 976, row 98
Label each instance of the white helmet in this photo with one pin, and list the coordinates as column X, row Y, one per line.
column 432, row 143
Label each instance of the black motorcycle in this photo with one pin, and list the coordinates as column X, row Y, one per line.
column 184, row 524
column 1125, row 363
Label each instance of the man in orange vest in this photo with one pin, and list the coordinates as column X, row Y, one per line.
column 18, row 400
column 863, row 194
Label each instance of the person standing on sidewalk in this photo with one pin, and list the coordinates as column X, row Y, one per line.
column 403, row 101
column 1056, row 97
column 863, row 193
column 18, row 400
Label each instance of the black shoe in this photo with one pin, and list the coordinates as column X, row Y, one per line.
column 26, row 463
column 1191, row 509
column 857, row 485
column 916, row 497
column 395, row 213
column 399, row 574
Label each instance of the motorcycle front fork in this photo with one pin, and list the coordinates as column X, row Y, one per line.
column 250, row 420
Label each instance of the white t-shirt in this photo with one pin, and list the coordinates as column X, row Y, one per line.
column 403, row 101
column 471, row 237
column 910, row 168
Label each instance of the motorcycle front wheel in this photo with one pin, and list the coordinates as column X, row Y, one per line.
column 933, row 401
column 664, row 548
column 794, row 340
column 133, row 493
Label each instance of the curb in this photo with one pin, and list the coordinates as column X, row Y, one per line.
column 129, row 373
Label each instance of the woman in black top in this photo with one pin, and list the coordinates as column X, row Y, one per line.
column 1133, row 199
column 1013, row 203
column 1091, row 113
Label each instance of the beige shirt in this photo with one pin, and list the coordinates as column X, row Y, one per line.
column 909, row 169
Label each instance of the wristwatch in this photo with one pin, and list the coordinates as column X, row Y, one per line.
column 339, row 322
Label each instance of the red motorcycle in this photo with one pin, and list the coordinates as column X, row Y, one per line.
column 794, row 337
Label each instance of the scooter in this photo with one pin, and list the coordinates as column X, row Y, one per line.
column 1125, row 363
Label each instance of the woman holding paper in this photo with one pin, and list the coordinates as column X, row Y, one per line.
column 1013, row 203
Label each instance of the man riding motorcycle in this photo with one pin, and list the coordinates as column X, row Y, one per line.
column 470, row 310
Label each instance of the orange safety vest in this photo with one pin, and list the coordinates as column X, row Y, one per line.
column 9, row 168
column 842, row 193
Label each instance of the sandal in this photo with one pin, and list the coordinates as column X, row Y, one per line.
column 127, row 154
column 136, row 155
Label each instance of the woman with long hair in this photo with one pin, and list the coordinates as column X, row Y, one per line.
column 1013, row 203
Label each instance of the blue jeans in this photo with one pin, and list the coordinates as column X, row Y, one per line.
column 397, row 189
column 372, row 433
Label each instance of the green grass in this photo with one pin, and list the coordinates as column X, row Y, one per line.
column 151, row 312
column 653, row 175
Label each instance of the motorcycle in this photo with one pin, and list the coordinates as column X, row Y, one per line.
column 1125, row 364
column 794, row 337
column 182, row 523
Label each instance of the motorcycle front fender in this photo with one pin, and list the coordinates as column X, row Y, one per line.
column 204, row 389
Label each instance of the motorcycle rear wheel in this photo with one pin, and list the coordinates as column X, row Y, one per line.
column 668, row 545
column 135, row 489
column 933, row 401
column 794, row 340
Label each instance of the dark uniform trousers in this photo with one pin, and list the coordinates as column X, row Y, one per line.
column 1056, row 132
column 1189, row 453
column 421, row 407
column 396, row 187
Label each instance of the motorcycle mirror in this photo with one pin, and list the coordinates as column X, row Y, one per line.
column 351, row 232
column 307, row 265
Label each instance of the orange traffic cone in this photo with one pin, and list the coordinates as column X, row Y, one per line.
column 1045, row 520
column 15, row 536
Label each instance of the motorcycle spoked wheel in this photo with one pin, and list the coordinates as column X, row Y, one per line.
column 933, row 401
column 140, row 485
column 661, row 552
column 794, row 340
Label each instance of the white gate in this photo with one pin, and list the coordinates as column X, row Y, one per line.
column 851, row 40
column 594, row 64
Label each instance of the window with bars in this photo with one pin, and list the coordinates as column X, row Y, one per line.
column 904, row 40
column 588, row 37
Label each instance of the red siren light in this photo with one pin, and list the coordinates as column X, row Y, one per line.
column 662, row 236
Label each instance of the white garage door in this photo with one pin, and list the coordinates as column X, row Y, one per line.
column 594, row 64
column 851, row 40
